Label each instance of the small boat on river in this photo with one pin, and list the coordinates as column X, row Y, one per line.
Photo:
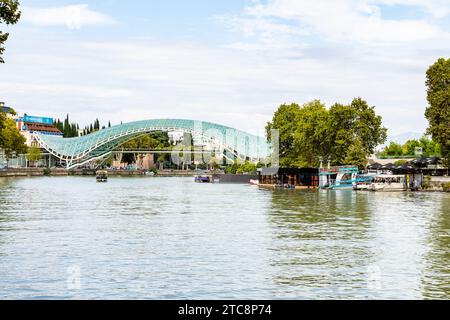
column 102, row 176
column 203, row 179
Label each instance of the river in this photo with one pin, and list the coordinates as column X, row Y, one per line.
column 170, row 238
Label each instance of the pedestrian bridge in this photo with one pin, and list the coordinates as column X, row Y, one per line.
column 78, row 151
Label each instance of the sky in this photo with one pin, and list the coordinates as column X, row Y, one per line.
column 231, row 62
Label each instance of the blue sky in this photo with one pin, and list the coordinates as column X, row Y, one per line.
column 231, row 62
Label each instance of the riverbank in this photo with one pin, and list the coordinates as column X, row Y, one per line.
column 39, row 172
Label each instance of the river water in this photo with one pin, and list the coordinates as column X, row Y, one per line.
column 170, row 238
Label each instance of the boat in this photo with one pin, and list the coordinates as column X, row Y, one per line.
column 254, row 182
column 339, row 178
column 364, row 182
column 102, row 176
column 203, row 179
column 389, row 182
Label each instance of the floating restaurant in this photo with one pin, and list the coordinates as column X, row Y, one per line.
column 293, row 178
column 377, row 177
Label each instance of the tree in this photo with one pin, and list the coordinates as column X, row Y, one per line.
column 9, row 14
column 284, row 120
column 34, row 154
column 348, row 123
column 247, row 167
column 310, row 132
column 11, row 140
column 408, row 149
column 357, row 154
column 438, row 110
column 392, row 150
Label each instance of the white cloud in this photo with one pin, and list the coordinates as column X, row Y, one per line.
column 285, row 56
column 71, row 16
column 340, row 20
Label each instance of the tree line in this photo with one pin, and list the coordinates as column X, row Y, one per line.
column 408, row 149
column 71, row 130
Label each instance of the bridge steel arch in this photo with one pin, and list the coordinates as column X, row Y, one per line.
column 78, row 151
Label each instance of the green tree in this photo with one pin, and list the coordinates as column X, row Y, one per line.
column 156, row 140
column 285, row 120
column 357, row 154
column 233, row 168
column 408, row 149
column 34, row 154
column 247, row 167
column 9, row 14
column 312, row 131
column 11, row 140
column 348, row 123
column 438, row 110
column 392, row 150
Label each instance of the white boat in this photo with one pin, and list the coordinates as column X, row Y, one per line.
column 254, row 182
column 389, row 182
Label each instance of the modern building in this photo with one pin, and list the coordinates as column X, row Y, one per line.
column 28, row 125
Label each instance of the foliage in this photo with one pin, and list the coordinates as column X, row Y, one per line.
column 34, row 154
column 71, row 130
column 446, row 187
column 47, row 171
column 241, row 168
column 400, row 162
column 11, row 141
column 426, row 184
column 392, row 150
column 357, row 155
column 68, row 129
column 438, row 111
column 156, row 140
column 247, row 168
column 9, row 14
column 342, row 133
column 214, row 162
column 429, row 148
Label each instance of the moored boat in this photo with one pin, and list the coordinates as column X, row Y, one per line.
column 102, row 176
column 389, row 182
column 203, row 179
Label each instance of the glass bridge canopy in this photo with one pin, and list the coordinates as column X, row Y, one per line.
column 242, row 144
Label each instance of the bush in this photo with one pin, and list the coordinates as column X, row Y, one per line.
column 426, row 182
column 446, row 187
column 400, row 162
column 47, row 172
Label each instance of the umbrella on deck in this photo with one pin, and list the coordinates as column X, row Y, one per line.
column 434, row 160
column 375, row 166
column 388, row 166
column 421, row 162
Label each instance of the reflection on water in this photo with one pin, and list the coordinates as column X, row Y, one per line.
column 170, row 238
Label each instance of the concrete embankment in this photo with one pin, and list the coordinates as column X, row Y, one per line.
column 38, row 172
column 436, row 183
